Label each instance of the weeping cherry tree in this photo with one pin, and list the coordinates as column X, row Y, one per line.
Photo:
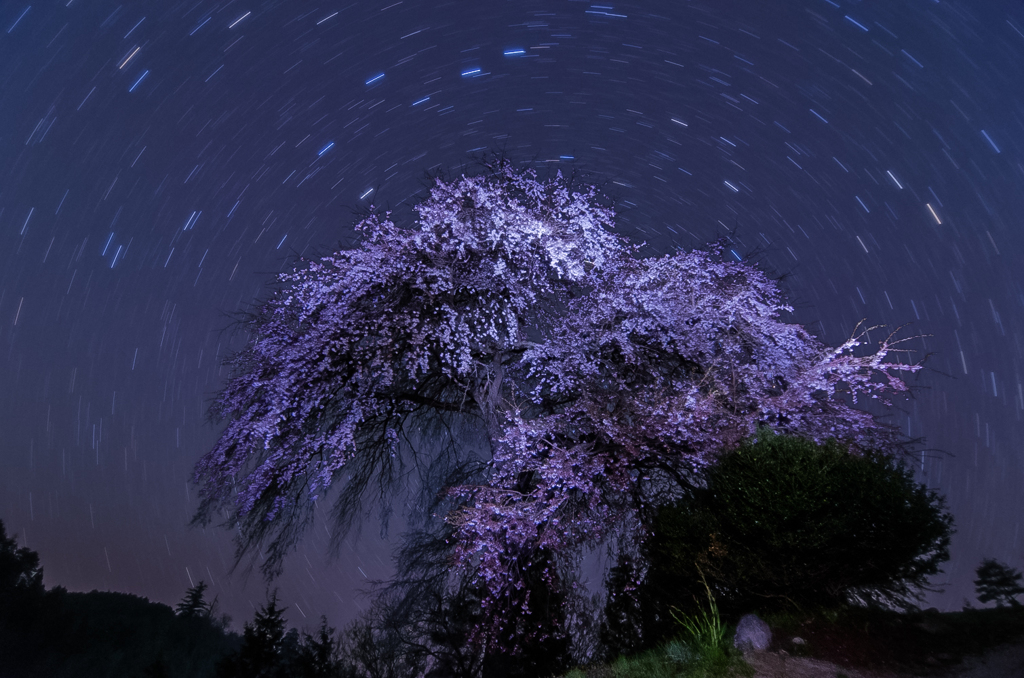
column 590, row 382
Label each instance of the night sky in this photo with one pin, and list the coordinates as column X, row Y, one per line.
column 160, row 162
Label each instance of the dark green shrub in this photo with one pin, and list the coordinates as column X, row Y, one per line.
column 783, row 521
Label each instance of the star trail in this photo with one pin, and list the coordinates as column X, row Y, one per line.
column 161, row 162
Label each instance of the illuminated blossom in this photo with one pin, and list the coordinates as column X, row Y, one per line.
column 599, row 379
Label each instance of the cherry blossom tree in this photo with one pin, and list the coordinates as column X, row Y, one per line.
column 512, row 320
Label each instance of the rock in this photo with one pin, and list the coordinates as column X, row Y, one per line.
column 752, row 634
column 797, row 640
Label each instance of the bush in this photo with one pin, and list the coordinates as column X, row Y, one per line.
column 784, row 522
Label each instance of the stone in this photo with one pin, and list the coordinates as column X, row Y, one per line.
column 752, row 634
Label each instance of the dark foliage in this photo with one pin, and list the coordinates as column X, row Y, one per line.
column 262, row 654
column 999, row 582
column 377, row 652
column 537, row 637
column 268, row 651
column 58, row 634
column 622, row 626
column 783, row 522
column 81, row 635
column 450, row 623
column 319, row 655
column 428, row 629
column 426, row 622
column 194, row 604
column 20, row 573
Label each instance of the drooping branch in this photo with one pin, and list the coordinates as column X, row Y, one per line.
column 509, row 333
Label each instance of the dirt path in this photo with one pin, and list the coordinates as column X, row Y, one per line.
column 1004, row 662
column 775, row 665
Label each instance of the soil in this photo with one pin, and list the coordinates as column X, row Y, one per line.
column 879, row 644
column 1003, row 662
column 865, row 643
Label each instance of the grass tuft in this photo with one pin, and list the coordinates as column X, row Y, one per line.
column 704, row 630
column 700, row 651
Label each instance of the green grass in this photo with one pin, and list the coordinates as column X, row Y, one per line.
column 674, row 659
column 916, row 641
column 700, row 651
column 704, row 631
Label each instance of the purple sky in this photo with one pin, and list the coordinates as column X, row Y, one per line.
column 161, row 161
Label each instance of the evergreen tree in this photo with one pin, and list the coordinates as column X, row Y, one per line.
column 291, row 647
column 263, row 644
column 999, row 582
column 194, row 604
column 319, row 654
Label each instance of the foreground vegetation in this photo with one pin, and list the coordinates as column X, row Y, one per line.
column 779, row 527
column 915, row 642
column 674, row 659
column 701, row 648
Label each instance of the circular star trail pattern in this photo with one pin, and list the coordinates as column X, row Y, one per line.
column 161, row 162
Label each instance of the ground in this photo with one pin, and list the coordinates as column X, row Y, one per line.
column 861, row 643
column 1003, row 662
column 877, row 644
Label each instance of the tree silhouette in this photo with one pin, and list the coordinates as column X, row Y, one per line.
column 622, row 626
column 319, row 654
column 999, row 582
column 589, row 382
column 57, row 633
column 194, row 604
column 263, row 645
column 20, row 572
column 21, row 598
column 377, row 652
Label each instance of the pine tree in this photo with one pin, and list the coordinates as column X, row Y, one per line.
column 319, row 654
column 999, row 582
column 194, row 604
column 262, row 645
